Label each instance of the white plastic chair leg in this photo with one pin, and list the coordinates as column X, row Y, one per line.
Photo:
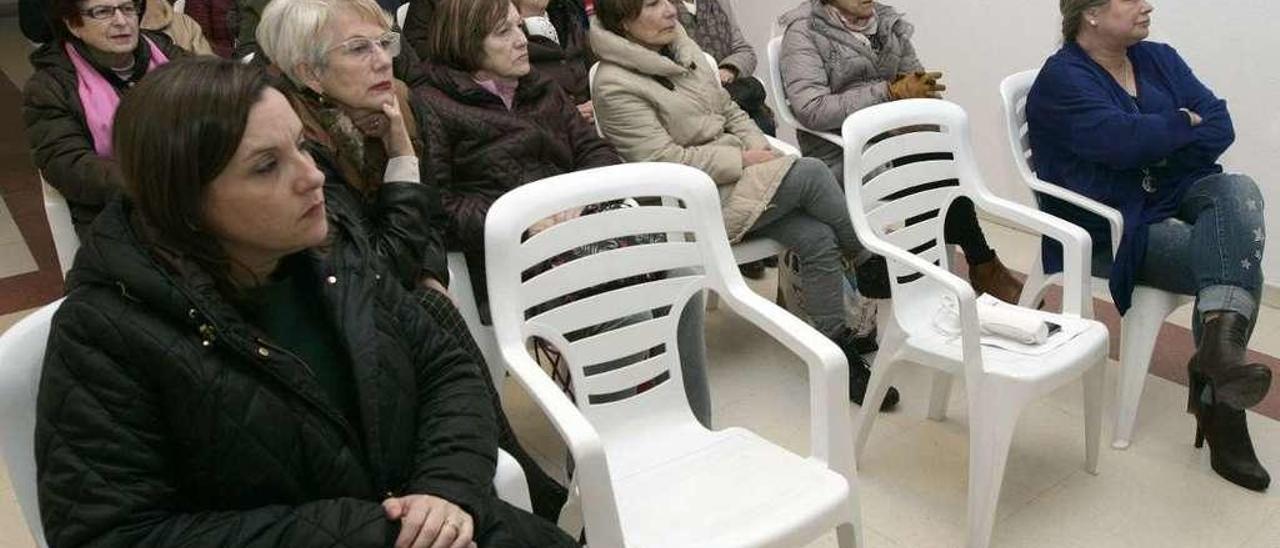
column 940, row 395
column 992, row 422
column 1139, row 329
column 1094, row 379
column 877, row 387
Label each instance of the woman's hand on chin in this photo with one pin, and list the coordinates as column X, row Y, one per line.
column 388, row 126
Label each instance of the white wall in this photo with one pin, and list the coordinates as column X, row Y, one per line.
column 1233, row 47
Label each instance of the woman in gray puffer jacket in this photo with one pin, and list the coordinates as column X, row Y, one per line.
column 840, row 56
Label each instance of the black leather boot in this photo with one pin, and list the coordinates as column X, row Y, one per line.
column 1226, row 429
column 860, row 372
column 1221, row 360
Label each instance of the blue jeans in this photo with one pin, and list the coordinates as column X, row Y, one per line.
column 1210, row 249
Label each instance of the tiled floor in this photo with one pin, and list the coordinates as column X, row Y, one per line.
column 1160, row 492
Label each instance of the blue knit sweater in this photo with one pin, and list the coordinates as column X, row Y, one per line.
column 1090, row 136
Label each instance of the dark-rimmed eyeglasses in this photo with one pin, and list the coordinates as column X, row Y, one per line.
column 102, row 13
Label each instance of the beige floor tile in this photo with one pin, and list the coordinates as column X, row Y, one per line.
column 9, row 232
column 16, row 259
column 7, row 320
column 13, row 529
column 1267, row 535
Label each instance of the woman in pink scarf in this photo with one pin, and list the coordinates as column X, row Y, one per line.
column 98, row 53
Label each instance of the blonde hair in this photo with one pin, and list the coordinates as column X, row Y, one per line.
column 292, row 32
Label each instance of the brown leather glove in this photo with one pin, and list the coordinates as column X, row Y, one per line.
column 917, row 85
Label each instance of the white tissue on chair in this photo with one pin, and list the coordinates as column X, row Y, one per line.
column 996, row 317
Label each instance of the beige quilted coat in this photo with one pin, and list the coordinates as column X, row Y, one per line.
column 656, row 109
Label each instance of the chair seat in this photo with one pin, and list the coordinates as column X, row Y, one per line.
column 733, row 489
column 1085, row 349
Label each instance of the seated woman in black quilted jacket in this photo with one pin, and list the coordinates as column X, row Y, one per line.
column 233, row 366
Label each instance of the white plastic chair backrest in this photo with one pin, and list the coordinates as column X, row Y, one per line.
column 607, row 368
column 591, row 84
column 65, row 240
column 179, row 6
column 402, row 13
column 782, row 106
column 21, row 357
column 904, row 160
column 1013, row 93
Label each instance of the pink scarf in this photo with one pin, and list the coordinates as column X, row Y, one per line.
column 99, row 98
column 504, row 89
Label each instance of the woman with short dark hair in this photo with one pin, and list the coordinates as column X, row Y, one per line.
column 1124, row 121
column 233, row 367
column 495, row 124
column 98, row 53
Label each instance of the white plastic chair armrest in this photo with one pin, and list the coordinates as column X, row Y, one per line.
column 782, row 146
column 966, row 299
column 591, row 470
column 1077, row 298
column 828, row 374
column 824, row 135
column 1109, row 213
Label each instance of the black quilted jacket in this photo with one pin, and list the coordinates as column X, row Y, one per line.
column 164, row 419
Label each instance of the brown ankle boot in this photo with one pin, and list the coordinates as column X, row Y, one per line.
column 992, row 277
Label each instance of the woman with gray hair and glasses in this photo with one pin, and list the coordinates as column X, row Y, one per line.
column 362, row 127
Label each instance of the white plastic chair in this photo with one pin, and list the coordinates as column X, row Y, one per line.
column 648, row 473
column 179, row 6
column 1141, row 325
column 402, row 13
column 781, row 104
column 65, row 240
column 999, row 383
column 22, row 350
column 464, row 296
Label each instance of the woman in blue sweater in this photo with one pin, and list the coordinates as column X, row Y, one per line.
column 1125, row 122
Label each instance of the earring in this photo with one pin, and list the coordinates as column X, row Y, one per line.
column 1093, row 22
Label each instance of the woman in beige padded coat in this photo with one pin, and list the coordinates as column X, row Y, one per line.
column 657, row 99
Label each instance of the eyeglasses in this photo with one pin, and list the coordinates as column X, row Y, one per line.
column 102, row 13
column 363, row 48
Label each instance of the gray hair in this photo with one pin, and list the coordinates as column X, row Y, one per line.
column 292, row 32
column 1073, row 15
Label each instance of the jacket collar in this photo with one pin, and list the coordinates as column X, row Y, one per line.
column 462, row 87
column 612, row 48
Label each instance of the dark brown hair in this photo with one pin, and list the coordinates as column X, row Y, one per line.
column 175, row 132
column 458, row 29
column 613, row 13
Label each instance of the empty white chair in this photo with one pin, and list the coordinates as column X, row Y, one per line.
column 22, row 349
column 648, row 473
column 65, row 240
column 999, row 382
column 1150, row 306
column 782, row 106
